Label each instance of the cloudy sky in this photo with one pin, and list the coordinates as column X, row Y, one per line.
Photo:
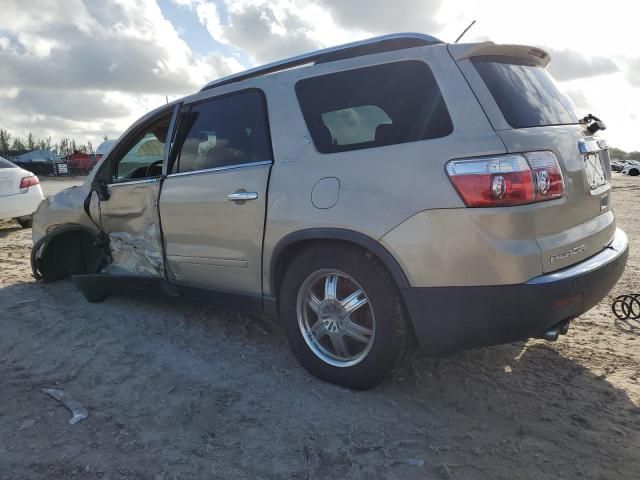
column 88, row 68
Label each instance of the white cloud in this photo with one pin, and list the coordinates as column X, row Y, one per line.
column 79, row 67
column 264, row 30
column 633, row 71
column 569, row 65
column 384, row 16
column 267, row 30
column 580, row 101
column 209, row 17
column 80, row 105
column 183, row 3
column 67, row 58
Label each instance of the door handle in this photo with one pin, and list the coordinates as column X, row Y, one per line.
column 242, row 196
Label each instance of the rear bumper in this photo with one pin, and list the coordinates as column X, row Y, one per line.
column 447, row 319
column 21, row 204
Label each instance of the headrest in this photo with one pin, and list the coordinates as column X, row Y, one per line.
column 384, row 133
column 324, row 137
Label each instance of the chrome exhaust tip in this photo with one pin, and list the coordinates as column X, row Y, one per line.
column 552, row 334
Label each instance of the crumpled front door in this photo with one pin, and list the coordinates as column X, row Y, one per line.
column 130, row 218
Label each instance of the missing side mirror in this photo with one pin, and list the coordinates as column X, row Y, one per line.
column 100, row 187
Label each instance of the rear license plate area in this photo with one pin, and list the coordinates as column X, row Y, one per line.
column 596, row 176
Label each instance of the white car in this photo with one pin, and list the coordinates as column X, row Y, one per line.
column 20, row 193
column 632, row 168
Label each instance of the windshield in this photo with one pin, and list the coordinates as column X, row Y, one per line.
column 525, row 93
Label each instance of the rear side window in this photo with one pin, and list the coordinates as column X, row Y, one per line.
column 6, row 163
column 374, row 106
column 525, row 93
column 224, row 131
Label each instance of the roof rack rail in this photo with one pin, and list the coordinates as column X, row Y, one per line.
column 384, row 43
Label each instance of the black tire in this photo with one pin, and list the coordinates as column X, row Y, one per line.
column 95, row 297
column 25, row 222
column 393, row 340
column 634, row 172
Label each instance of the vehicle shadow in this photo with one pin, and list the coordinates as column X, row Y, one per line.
column 631, row 326
column 7, row 229
column 527, row 404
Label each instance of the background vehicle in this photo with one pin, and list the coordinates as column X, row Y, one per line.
column 387, row 192
column 20, row 193
column 632, row 168
column 617, row 166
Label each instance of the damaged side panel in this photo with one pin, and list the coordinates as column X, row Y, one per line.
column 130, row 218
column 64, row 237
column 60, row 210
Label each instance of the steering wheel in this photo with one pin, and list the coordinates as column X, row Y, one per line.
column 151, row 165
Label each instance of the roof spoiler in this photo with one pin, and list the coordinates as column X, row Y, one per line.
column 535, row 55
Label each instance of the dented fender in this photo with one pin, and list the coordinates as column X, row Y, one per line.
column 63, row 209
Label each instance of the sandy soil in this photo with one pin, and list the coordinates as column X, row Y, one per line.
column 53, row 185
column 183, row 390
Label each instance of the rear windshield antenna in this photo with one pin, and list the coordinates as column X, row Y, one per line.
column 465, row 31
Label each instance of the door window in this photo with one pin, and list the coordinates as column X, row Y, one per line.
column 143, row 156
column 224, row 131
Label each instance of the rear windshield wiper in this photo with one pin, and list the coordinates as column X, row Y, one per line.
column 593, row 123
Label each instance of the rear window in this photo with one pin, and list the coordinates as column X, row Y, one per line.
column 525, row 93
column 6, row 163
column 374, row 106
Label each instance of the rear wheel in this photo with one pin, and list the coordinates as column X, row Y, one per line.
column 26, row 221
column 634, row 172
column 344, row 316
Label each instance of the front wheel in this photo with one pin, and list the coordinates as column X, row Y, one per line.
column 344, row 316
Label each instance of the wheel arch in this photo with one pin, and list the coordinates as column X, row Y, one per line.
column 40, row 249
column 294, row 242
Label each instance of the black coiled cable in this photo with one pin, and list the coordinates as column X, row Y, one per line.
column 627, row 307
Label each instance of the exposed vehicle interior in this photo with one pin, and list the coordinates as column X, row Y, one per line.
column 144, row 156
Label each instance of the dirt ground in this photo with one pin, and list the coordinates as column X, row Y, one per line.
column 52, row 185
column 183, row 390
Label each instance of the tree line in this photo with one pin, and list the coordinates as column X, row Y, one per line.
column 622, row 155
column 63, row 147
column 67, row 146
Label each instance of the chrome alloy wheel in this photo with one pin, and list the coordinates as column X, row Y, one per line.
column 336, row 318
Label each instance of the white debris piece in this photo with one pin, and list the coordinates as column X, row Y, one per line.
column 78, row 412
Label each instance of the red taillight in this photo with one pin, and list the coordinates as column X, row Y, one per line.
column 27, row 182
column 507, row 180
column 547, row 175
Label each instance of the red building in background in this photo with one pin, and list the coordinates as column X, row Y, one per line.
column 80, row 162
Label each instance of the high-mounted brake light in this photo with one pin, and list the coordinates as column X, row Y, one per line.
column 507, row 180
column 30, row 181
